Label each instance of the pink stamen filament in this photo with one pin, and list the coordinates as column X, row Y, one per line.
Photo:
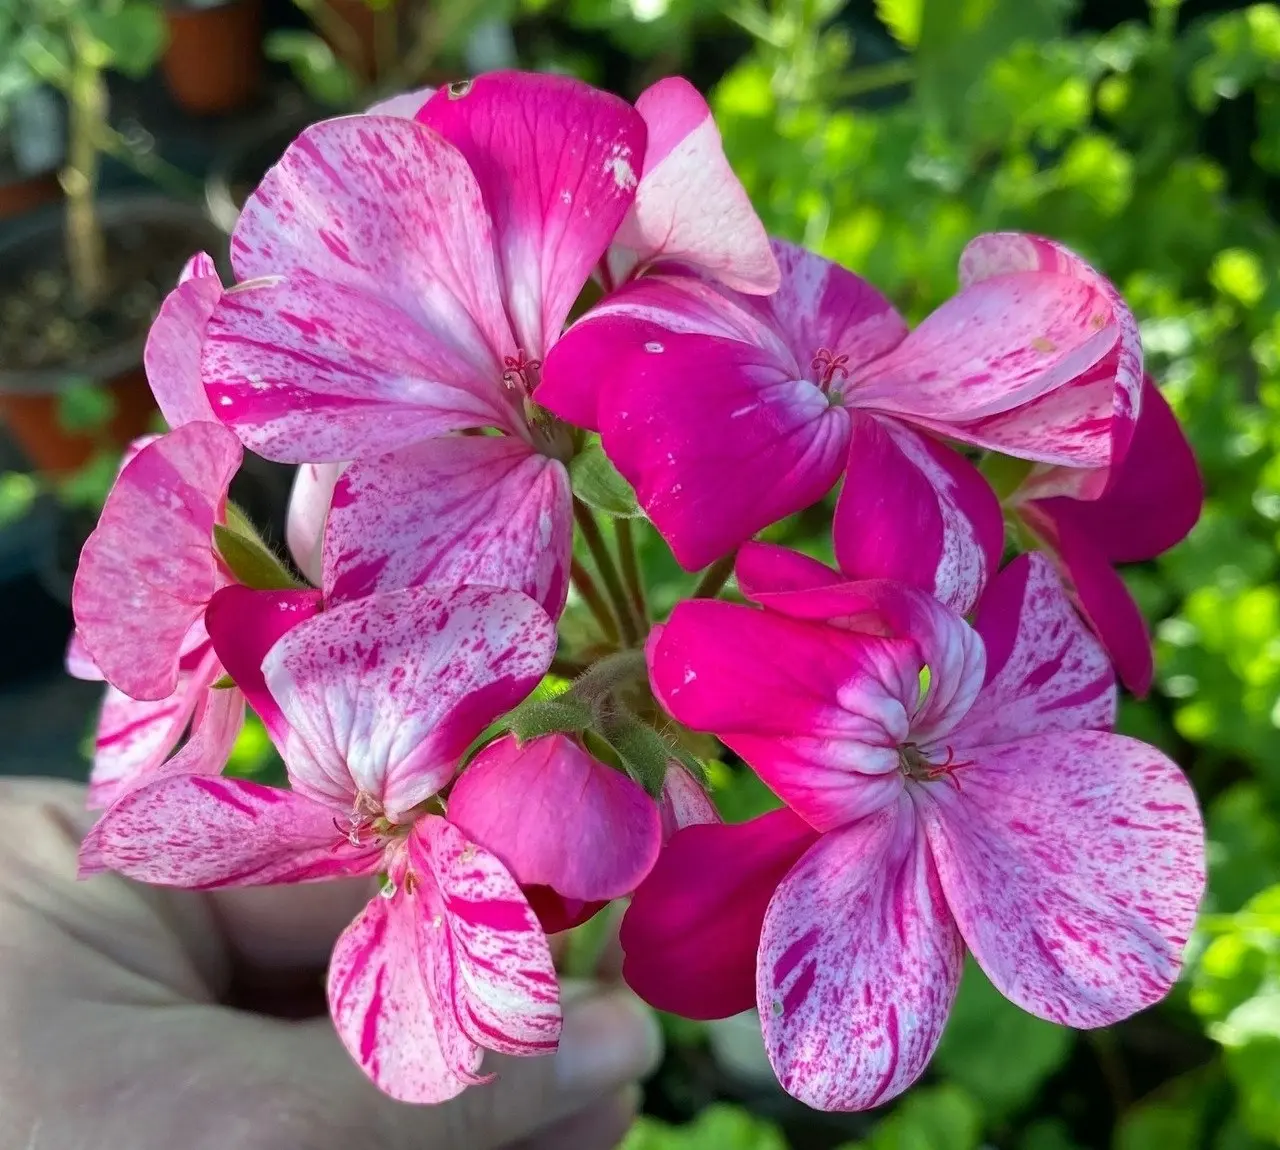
column 829, row 366
column 519, row 373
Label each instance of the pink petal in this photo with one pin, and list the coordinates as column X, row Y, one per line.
column 310, row 370
column 858, row 966
column 217, row 723
column 244, row 624
column 691, row 931
column 201, row 832
column 505, row 993
column 390, row 210
column 684, row 802
column 199, row 266
column 1045, row 671
column 556, row 817
column 762, row 568
column 586, row 359
column 405, row 104
column 1098, row 591
column 1109, row 394
column 817, row 711
column 999, row 344
column 820, row 305
column 135, row 737
column 719, row 442
column 558, row 163
column 469, row 509
column 916, row 511
column 79, row 662
column 944, row 642
column 1074, row 864
column 148, row 569
column 172, row 354
column 383, row 695
column 1154, row 495
column 689, row 205
column 309, row 501
column 388, row 987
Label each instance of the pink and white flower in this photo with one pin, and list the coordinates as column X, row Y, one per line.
column 947, row 789
column 690, row 209
column 373, row 705
column 729, row 412
column 412, row 277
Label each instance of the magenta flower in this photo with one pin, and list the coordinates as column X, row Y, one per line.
column 946, row 788
column 572, row 831
column 1146, row 505
column 411, row 277
column 372, row 705
column 732, row 412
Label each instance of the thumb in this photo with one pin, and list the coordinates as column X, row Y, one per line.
column 609, row 1040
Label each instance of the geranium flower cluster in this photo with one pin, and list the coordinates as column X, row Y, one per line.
column 935, row 717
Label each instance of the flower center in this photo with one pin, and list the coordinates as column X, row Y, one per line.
column 519, row 373
column 919, row 768
column 830, row 370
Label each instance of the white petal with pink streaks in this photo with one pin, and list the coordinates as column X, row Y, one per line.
column 858, row 966
column 1074, row 864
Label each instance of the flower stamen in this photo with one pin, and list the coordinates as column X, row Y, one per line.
column 520, row 374
column 829, row 366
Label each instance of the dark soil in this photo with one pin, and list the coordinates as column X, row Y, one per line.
column 44, row 325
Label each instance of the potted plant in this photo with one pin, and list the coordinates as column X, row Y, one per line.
column 78, row 288
column 213, row 63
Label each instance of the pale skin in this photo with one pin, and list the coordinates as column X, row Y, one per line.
column 136, row 1018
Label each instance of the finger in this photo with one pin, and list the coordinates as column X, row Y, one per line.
column 274, row 928
column 319, row 1097
column 599, row 1127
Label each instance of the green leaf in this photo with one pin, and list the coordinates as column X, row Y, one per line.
column 597, row 483
column 998, row 1053
column 959, row 39
column 325, row 78
column 131, row 37
column 718, row 1127
column 251, row 561
column 84, row 407
column 938, row 1118
column 902, row 18
column 18, row 492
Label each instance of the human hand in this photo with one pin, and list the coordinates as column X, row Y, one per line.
column 140, row 1018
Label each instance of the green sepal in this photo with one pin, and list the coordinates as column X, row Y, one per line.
column 225, row 683
column 643, row 752
column 248, row 558
column 599, row 485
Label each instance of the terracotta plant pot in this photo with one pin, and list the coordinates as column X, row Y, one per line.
column 26, row 193
column 213, row 63
column 29, row 397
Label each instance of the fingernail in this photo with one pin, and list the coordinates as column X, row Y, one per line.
column 607, row 1040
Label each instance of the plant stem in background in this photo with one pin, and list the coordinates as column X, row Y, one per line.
column 714, row 578
column 594, row 600
column 608, row 571
column 631, row 572
column 86, row 247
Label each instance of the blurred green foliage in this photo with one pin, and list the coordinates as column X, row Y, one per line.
column 1153, row 148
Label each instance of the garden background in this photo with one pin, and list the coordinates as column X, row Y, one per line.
column 885, row 135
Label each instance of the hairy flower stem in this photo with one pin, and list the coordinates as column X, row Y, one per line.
column 591, row 596
column 607, row 570
column 567, row 668
column 631, row 572
column 714, row 578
